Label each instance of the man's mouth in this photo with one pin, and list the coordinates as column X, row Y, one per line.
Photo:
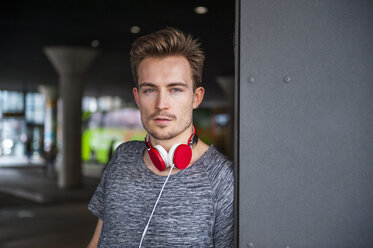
column 161, row 119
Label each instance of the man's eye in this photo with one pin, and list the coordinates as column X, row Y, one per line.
column 148, row 91
column 176, row 90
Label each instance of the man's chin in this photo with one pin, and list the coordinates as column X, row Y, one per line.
column 163, row 135
column 164, row 132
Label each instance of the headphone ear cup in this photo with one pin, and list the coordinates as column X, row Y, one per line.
column 158, row 155
column 171, row 153
column 181, row 155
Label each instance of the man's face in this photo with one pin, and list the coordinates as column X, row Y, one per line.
column 165, row 96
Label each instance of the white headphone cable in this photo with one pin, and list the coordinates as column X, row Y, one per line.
column 155, row 205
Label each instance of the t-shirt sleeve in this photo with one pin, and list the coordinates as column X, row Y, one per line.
column 96, row 204
column 224, row 220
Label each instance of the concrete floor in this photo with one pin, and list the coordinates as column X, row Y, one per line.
column 35, row 213
column 25, row 224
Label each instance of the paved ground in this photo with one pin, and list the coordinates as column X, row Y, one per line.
column 24, row 224
column 32, row 183
column 35, row 213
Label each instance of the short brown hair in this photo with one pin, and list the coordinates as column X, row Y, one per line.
column 167, row 42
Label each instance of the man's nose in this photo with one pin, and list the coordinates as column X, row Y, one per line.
column 163, row 101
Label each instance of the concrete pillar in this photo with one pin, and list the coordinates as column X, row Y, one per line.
column 50, row 121
column 71, row 63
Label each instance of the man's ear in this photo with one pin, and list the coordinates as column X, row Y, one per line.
column 136, row 95
column 199, row 93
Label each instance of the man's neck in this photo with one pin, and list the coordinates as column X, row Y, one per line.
column 181, row 138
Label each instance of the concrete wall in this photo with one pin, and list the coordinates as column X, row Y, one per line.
column 305, row 131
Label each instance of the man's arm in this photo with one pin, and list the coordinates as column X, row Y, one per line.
column 224, row 221
column 96, row 235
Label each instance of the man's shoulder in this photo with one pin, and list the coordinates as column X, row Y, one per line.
column 219, row 171
column 214, row 156
column 216, row 163
column 127, row 152
column 128, row 149
column 129, row 146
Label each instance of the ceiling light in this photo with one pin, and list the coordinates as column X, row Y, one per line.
column 201, row 10
column 95, row 43
column 135, row 29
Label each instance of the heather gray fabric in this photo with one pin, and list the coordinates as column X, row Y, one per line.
column 195, row 210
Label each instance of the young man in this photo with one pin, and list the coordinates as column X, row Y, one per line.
column 195, row 208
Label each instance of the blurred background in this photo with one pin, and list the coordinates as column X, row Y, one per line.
column 66, row 103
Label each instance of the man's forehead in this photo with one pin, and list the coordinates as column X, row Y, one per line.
column 171, row 69
column 171, row 59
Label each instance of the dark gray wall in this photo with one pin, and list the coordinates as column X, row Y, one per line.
column 306, row 143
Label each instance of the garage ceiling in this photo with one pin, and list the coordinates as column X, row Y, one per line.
column 28, row 26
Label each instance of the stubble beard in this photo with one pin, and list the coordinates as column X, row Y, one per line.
column 187, row 121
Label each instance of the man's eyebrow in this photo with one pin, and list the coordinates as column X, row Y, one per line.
column 147, row 85
column 179, row 84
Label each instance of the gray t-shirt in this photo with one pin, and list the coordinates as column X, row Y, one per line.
column 195, row 209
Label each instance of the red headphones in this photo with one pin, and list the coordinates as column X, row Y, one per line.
column 179, row 154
